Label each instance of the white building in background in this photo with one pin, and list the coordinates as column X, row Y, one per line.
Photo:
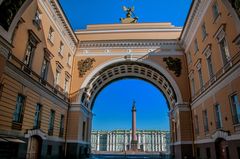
column 120, row 140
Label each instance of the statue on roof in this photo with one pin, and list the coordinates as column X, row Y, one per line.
column 129, row 16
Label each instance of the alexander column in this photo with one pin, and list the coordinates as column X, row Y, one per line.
column 134, row 141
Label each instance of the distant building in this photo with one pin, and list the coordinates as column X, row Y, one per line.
column 120, row 140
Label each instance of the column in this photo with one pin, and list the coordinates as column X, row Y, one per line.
column 107, row 141
column 98, row 141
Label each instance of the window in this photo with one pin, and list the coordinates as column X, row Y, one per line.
column 189, row 58
column 195, row 46
column 66, row 84
column 1, row 89
column 210, row 66
column 204, row 32
column 18, row 114
column 200, row 77
column 44, row 70
column 205, row 120
column 215, row 11
column 218, row 116
column 69, row 59
column 196, row 124
column 224, row 50
column 192, row 86
column 30, row 49
column 51, row 35
column 235, row 109
column 61, row 47
column 37, row 117
column 58, row 72
column 57, row 79
column 37, row 19
column 51, row 122
column 61, row 131
column 83, row 130
column 208, row 153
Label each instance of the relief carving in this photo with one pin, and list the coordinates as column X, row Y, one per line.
column 173, row 64
column 85, row 65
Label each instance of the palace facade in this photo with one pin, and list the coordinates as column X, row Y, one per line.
column 50, row 76
column 120, row 140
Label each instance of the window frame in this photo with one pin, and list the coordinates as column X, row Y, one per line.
column 38, row 120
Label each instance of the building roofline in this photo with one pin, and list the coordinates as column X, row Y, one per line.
column 186, row 20
column 68, row 25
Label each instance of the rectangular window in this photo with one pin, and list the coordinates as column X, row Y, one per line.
column 205, row 120
column 215, row 11
column 200, row 78
column 61, row 47
column 196, row 124
column 195, row 46
column 51, row 35
column 210, row 66
column 189, row 58
column 235, row 109
column 225, row 51
column 208, row 153
column 66, row 84
column 29, row 54
column 69, row 59
column 44, row 70
column 18, row 114
column 204, row 32
column 83, row 130
column 57, row 79
column 192, row 86
column 218, row 116
column 37, row 19
column 51, row 122
column 1, row 89
column 61, row 131
column 37, row 117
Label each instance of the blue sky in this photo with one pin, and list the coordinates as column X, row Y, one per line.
column 113, row 105
column 83, row 12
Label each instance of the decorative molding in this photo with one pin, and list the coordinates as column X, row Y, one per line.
column 85, row 65
column 128, row 44
column 208, row 50
column 220, row 134
column 174, row 64
column 37, row 132
column 175, row 29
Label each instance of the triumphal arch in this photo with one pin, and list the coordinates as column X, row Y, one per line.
column 148, row 51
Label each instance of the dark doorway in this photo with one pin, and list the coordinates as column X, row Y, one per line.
column 221, row 149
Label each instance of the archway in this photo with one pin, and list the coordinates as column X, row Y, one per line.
column 112, row 117
column 82, row 101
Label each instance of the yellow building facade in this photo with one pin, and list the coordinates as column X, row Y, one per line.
column 51, row 75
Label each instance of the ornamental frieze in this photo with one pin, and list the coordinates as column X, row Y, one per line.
column 85, row 65
column 174, row 64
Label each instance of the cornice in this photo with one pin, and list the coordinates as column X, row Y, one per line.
column 175, row 29
column 128, row 44
column 60, row 23
column 198, row 10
